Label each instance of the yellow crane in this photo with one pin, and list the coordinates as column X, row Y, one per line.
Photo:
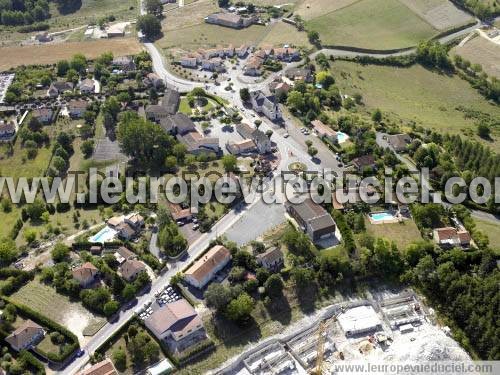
column 320, row 349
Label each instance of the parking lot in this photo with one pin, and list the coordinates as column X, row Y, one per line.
column 5, row 82
column 165, row 296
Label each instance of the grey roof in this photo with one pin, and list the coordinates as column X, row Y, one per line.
column 171, row 101
column 182, row 123
column 62, row 86
column 271, row 255
column 312, row 213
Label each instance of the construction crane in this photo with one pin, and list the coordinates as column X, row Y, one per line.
column 320, row 349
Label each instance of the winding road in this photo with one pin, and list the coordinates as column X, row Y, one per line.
column 286, row 147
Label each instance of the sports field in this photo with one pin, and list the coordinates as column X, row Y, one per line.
column 481, row 51
column 51, row 53
column 417, row 94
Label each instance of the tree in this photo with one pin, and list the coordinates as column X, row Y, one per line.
column 217, row 296
column 150, row 26
column 313, row 151
column 8, row 251
column 30, row 235
column 62, row 68
column 87, row 148
column 223, row 3
column 239, row 309
column 245, row 94
column 313, row 37
column 483, row 130
column 60, row 252
column 377, row 115
column 78, row 63
column 120, row 359
column 274, row 286
column 36, row 209
column 128, row 292
column 110, row 308
column 325, row 79
column 153, row 7
column 302, row 277
column 144, row 141
column 230, row 163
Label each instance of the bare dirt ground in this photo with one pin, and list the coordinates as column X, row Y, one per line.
column 441, row 14
column 481, row 51
column 49, row 54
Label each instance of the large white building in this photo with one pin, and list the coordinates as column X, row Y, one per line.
column 267, row 105
column 359, row 320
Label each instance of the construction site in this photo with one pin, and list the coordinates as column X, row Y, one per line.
column 385, row 327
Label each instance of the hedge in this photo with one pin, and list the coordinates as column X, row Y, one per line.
column 73, row 343
column 32, row 361
column 19, row 279
column 345, row 230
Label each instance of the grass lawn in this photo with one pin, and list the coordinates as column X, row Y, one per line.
column 401, row 233
column 215, row 210
column 205, row 35
column 372, row 24
column 57, row 307
column 184, row 107
column 284, row 33
column 92, row 11
column 416, row 94
column 492, row 230
column 47, row 346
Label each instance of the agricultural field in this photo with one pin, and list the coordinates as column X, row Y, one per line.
column 481, row 51
column 56, row 307
column 372, row 24
column 51, row 53
column 431, row 102
column 401, row 233
column 441, row 14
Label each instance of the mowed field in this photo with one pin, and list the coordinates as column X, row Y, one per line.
column 51, row 53
column 416, row 94
column 57, row 307
column 373, row 24
column 492, row 230
column 402, row 234
column 481, row 51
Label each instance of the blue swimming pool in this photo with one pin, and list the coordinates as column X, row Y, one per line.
column 106, row 234
column 342, row 137
column 380, row 216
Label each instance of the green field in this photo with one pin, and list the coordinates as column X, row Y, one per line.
column 492, row 230
column 59, row 308
column 372, row 24
column 93, row 10
column 416, row 94
column 401, row 233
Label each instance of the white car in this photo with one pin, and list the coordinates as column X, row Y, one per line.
column 286, row 135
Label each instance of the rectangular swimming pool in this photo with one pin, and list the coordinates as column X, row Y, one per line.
column 381, row 216
column 106, row 234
